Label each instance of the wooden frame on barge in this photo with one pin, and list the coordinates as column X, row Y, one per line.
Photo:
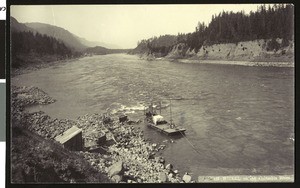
column 162, row 126
column 165, row 128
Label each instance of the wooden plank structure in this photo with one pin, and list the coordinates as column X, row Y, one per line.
column 166, row 129
column 71, row 139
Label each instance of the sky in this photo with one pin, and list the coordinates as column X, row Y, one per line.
column 124, row 25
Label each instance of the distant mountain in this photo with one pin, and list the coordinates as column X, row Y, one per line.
column 19, row 27
column 95, row 43
column 69, row 39
column 57, row 32
column 31, row 47
column 99, row 50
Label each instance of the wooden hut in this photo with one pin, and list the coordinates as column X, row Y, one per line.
column 71, row 139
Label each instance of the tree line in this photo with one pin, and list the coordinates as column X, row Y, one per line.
column 162, row 44
column 268, row 22
column 28, row 42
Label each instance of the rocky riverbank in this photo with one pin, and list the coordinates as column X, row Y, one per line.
column 193, row 60
column 125, row 157
column 246, row 53
column 243, row 63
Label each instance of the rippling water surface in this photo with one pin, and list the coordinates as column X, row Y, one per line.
column 239, row 120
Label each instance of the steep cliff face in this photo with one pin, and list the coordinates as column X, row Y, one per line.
column 248, row 51
column 178, row 51
column 256, row 50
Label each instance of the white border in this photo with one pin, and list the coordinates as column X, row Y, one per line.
column 2, row 164
column 3, row 13
column 2, row 81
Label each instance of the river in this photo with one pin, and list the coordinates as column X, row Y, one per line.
column 239, row 120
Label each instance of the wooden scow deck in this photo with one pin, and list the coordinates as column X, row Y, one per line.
column 164, row 128
column 157, row 122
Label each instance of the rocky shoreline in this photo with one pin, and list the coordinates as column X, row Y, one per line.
column 193, row 60
column 243, row 63
column 125, row 158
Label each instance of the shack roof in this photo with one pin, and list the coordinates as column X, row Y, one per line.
column 68, row 134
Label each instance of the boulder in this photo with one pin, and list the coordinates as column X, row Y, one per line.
column 116, row 178
column 162, row 160
column 157, row 159
column 123, row 118
column 115, row 169
column 151, row 155
column 187, row 178
column 131, row 122
column 163, row 177
column 169, row 167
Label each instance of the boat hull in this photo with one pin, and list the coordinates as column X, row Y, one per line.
column 165, row 128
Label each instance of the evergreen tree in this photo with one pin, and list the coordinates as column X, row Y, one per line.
column 268, row 22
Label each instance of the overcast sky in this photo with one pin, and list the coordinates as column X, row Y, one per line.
column 124, row 25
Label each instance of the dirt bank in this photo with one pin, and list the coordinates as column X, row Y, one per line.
column 257, row 50
column 264, row 52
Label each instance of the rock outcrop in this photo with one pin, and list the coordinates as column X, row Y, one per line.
column 116, row 169
column 257, row 50
column 263, row 50
column 187, row 178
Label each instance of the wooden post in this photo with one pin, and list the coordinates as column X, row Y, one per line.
column 151, row 107
column 160, row 107
column 171, row 121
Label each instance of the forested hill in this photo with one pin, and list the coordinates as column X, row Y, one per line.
column 161, row 45
column 15, row 26
column 69, row 39
column 28, row 46
column 34, row 43
column 268, row 22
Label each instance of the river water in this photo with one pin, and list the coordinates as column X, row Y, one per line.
column 239, row 119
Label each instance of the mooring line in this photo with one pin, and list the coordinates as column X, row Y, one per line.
column 190, row 143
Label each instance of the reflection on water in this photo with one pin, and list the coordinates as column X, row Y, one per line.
column 239, row 119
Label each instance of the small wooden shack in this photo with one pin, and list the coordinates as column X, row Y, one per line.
column 71, row 139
